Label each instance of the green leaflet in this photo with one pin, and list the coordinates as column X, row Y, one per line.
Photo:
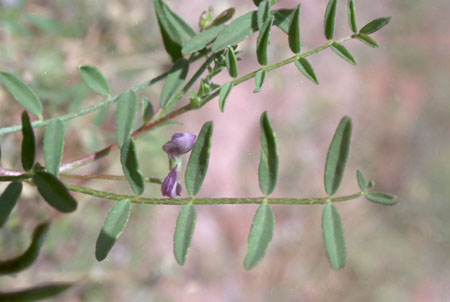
column 283, row 18
column 306, row 69
column 260, row 235
column 199, row 159
column 341, row 51
column 362, row 183
column 54, row 145
column 147, row 110
column 127, row 107
column 260, row 79
column 54, row 192
column 35, row 293
column 94, row 79
column 8, row 200
column 330, row 19
column 333, row 235
column 28, row 143
column 184, row 232
column 22, row 93
column 25, row 260
column 223, row 95
column 236, row 31
column 352, row 16
column 130, row 167
column 381, row 198
column 112, row 228
column 367, row 40
column 370, row 185
column 374, row 25
column 337, row 156
column 222, row 17
column 174, row 83
column 294, row 31
column 263, row 41
column 263, row 13
column 174, row 30
column 231, row 62
column 201, row 40
column 268, row 163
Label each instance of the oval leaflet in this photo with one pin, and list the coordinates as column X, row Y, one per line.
column 333, row 235
column 337, row 156
column 114, row 224
column 260, row 235
column 184, row 232
column 199, row 159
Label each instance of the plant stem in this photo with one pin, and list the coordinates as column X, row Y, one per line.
column 210, row 201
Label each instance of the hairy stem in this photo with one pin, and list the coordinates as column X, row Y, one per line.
column 211, row 201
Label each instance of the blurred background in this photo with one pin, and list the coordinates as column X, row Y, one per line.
column 397, row 96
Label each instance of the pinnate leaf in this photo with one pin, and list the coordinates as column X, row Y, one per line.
column 127, row 107
column 184, row 232
column 268, row 163
column 22, row 93
column 130, row 167
column 28, row 143
column 260, row 235
column 54, row 192
column 8, row 200
column 54, row 145
column 333, row 235
column 94, row 79
column 199, row 159
column 112, row 228
column 337, row 156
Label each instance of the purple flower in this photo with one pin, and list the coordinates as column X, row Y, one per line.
column 179, row 144
column 170, row 187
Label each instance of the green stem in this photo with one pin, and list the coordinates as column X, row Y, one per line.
column 210, row 201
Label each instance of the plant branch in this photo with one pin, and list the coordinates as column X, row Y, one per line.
column 210, row 201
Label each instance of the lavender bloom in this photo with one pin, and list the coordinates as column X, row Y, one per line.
column 180, row 143
column 170, row 187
